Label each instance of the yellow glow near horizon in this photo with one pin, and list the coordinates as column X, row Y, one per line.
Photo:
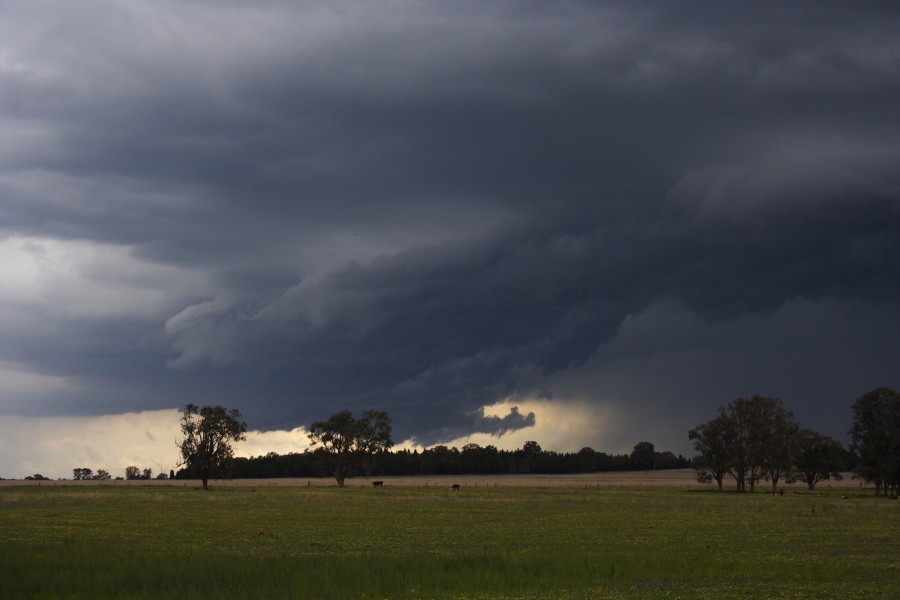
column 53, row 446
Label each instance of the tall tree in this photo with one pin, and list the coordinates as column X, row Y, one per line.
column 743, row 463
column 749, row 439
column 352, row 443
column 762, row 432
column 713, row 441
column 818, row 458
column 778, row 433
column 209, row 433
column 876, row 438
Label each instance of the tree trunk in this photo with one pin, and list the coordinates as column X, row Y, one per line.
column 340, row 480
column 205, row 481
column 811, row 484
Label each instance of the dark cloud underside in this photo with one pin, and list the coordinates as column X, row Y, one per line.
column 429, row 207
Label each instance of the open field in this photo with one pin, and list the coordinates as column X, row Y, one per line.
column 245, row 541
column 678, row 478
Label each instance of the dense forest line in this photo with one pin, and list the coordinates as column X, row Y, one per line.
column 472, row 459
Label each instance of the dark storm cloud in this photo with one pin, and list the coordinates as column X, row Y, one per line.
column 464, row 326
column 429, row 207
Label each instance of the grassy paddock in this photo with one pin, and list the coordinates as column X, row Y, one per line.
column 404, row 542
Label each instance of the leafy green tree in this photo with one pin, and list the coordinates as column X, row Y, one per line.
column 528, row 457
column 743, row 461
column 876, row 439
column 818, row 458
column 760, row 431
column 750, row 439
column 209, row 433
column 102, row 475
column 132, row 472
column 82, row 473
column 713, row 441
column 643, row 456
column 778, row 432
column 352, row 443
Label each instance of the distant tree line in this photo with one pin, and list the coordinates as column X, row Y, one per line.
column 345, row 446
column 471, row 459
column 131, row 473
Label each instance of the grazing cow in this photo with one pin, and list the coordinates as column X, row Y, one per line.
column 376, row 484
column 454, row 487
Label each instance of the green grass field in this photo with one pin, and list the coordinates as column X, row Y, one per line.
column 277, row 542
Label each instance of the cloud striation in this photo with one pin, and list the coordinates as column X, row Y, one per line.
column 431, row 208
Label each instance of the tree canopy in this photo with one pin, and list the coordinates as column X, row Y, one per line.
column 876, row 438
column 209, row 433
column 817, row 458
column 352, row 443
column 750, row 439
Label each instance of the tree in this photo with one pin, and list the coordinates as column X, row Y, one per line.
column 350, row 443
column 528, row 455
column 209, row 433
column 778, row 432
column 665, row 460
column 749, row 439
column 132, row 472
column 82, row 473
column 876, row 439
column 713, row 441
column 761, row 431
column 643, row 456
column 102, row 475
column 818, row 458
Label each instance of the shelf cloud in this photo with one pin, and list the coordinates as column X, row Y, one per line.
column 434, row 208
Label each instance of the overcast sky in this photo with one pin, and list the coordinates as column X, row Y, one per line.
column 583, row 223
